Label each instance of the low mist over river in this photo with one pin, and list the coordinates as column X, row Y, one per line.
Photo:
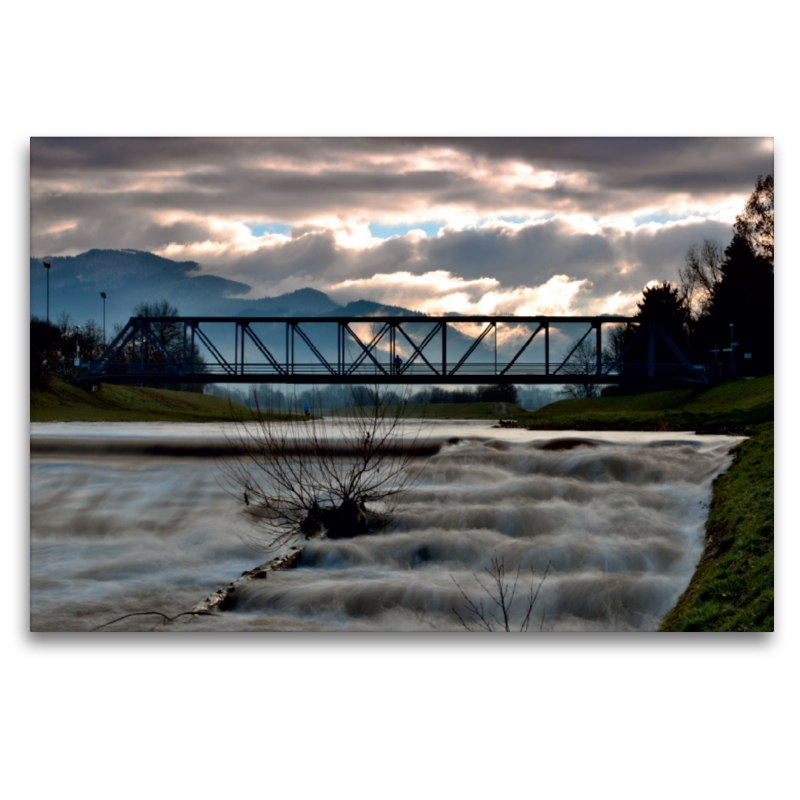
column 131, row 517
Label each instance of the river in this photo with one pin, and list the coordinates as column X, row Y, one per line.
column 132, row 517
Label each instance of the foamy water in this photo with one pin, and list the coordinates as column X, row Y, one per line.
column 131, row 517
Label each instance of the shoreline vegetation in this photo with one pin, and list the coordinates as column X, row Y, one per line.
column 733, row 586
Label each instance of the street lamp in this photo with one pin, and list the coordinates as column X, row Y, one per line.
column 47, row 267
column 730, row 350
column 103, row 295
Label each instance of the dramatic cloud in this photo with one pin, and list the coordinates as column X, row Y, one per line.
column 433, row 224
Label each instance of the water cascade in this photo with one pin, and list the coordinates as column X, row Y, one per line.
column 130, row 518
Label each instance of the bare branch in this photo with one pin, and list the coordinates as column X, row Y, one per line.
column 164, row 617
column 501, row 597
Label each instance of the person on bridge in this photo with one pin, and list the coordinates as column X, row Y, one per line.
column 398, row 362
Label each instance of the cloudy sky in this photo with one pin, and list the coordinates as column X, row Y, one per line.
column 524, row 225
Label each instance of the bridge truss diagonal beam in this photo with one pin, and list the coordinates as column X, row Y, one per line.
column 472, row 348
column 571, row 352
column 367, row 349
column 213, row 350
column 262, row 348
column 522, row 349
column 418, row 350
column 313, row 348
column 118, row 345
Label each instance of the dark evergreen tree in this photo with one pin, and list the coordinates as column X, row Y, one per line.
column 745, row 299
column 665, row 305
column 735, row 287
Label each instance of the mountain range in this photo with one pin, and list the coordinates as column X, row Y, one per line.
column 129, row 277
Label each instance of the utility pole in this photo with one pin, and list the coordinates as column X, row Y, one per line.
column 47, row 267
column 103, row 295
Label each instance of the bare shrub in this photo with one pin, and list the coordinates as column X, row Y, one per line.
column 494, row 611
column 304, row 475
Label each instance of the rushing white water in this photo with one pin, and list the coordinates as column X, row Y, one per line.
column 130, row 517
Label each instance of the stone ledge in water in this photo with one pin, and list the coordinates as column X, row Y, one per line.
column 224, row 599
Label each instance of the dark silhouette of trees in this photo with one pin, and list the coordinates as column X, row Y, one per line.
column 735, row 287
column 45, row 352
column 744, row 298
column 581, row 362
column 501, row 393
column 756, row 224
column 700, row 275
column 169, row 334
column 667, row 306
column 91, row 341
column 664, row 304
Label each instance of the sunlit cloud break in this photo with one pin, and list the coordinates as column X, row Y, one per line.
column 441, row 292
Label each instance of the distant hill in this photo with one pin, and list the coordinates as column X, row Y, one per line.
column 368, row 308
column 301, row 301
column 129, row 277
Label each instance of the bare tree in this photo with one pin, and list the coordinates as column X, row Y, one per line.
column 582, row 362
column 169, row 334
column 495, row 610
column 757, row 222
column 307, row 476
column 701, row 274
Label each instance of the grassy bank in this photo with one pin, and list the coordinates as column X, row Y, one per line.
column 732, row 407
column 733, row 586
column 64, row 402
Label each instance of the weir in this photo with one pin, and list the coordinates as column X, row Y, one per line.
column 117, row 527
column 413, row 349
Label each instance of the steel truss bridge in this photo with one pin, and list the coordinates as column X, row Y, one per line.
column 378, row 350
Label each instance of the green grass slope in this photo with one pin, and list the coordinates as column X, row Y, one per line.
column 64, row 402
column 733, row 407
column 733, row 586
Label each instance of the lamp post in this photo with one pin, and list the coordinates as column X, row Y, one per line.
column 730, row 350
column 103, row 295
column 47, row 267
